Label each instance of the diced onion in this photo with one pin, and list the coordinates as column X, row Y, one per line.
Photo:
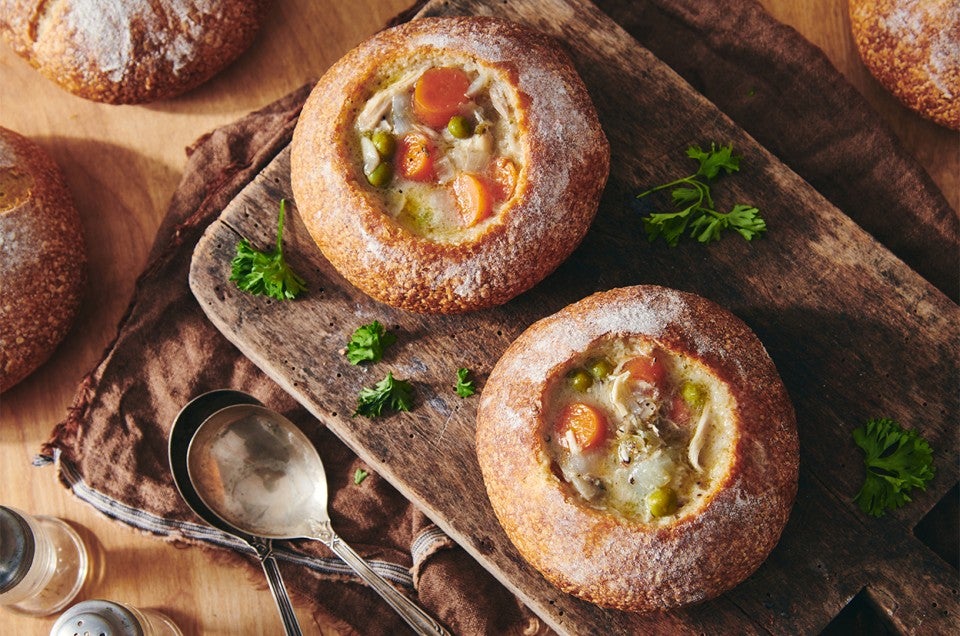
column 402, row 114
column 371, row 158
column 696, row 443
column 651, row 472
column 587, row 489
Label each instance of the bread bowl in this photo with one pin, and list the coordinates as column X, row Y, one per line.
column 911, row 47
column 658, row 509
column 43, row 267
column 133, row 51
column 423, row 239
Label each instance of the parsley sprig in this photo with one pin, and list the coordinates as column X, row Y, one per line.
column 389, row 393
column 464, row 387
column 897, row 461
column 368, row 343
column 266, row 273
column 697, row 210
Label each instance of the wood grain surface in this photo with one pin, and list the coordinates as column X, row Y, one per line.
column 828, row 302
column 122, row 164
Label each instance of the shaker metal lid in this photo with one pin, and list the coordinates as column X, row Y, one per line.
column 103, row 618
column 17, row 547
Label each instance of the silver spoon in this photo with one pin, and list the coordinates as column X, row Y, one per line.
column 258, row 472
column 185, row 427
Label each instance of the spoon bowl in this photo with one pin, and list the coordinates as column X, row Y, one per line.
column 257, row 472
column 185, row 427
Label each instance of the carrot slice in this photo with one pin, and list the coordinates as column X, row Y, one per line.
column 504, row 177
column 588, row 424
column 438, row 94
column 679, row 411
column 645, row 368
column 415, row 157
column 473, row 197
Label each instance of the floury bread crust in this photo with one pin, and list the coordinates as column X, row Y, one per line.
column 130, row 51
column 43, row 263
column 603, row 557
column 911, row 47
column 565, row 164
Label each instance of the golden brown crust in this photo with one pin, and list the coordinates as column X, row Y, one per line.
column 911, row 48
column 133, row 51
column 607, row 559
column 565, row 166
column 43, row 268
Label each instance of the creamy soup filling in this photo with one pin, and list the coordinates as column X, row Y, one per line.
column 638, row 430
column 438, row 141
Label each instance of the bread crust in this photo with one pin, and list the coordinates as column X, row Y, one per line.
column 43, row 268
column 134, row 51
column 911, row 47
column 607, row 559
column 565, row 167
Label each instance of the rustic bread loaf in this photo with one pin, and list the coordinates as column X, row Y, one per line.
column 449, row 195
column 639, row 448
column 130, row 51
column 43, row 264
column 912, row 47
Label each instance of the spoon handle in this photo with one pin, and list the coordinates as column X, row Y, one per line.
column 417, row 618
column 291, row 626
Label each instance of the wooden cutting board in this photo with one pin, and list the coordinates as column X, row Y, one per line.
column 854, row 332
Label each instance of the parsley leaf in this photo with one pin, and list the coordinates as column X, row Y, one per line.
column 464, row 387
column 715, row 159
column 897, row 460
column 697, row 211
column 743, row 218
column 266, row 273
column 359, row 476
column 368, row 343
column 389, row 393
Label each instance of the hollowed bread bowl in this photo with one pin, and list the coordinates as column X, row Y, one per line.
column 433, row 215
column 639, row 448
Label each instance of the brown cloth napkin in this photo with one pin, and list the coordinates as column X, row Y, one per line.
column 112, row 446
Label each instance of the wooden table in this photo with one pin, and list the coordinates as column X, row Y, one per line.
column 123, row 163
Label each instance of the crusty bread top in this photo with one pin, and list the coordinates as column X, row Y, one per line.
column 606, row 558
column 566, row 164
column 912, row 47
column 43, row 268
column 130, row 51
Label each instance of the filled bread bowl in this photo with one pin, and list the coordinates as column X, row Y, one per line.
column 449, row 164
column 639, row 448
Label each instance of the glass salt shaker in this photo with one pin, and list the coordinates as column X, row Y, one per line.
column 109, row 618
column 43, row 563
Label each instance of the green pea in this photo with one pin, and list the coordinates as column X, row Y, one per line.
column 693, row 394
column 580, row 380
column 662, row 501
column 381, row 175
column 384, row 142
column 459, row 127
column 600, row 368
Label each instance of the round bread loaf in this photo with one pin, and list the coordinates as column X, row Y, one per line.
column 912, row 47
column 639, row 448
column 43, row 264
column 449, row 164
column 130, row 51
